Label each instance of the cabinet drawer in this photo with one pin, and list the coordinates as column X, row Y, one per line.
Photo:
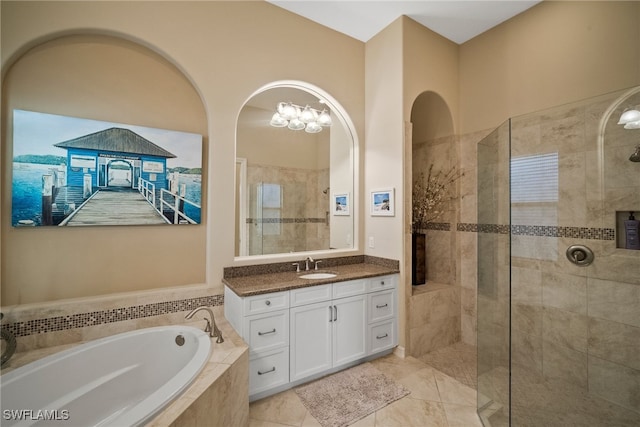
column 310, row 295
column 382, row 336
column 267, row 331
column 269, row 370
column 265, row 303
column 381, row 282
column 350, row 288
column 381, row 306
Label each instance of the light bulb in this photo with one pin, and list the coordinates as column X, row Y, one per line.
column 296, row 124
column 313, row 127
column 308, row 115
column 632, row 125
column 324, row 119
column 629, row 116
column 277, row 121
column 289, row 112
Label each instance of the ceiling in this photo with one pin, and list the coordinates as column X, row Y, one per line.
column 456, row 20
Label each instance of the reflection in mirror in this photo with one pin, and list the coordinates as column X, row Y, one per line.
column 287, row 180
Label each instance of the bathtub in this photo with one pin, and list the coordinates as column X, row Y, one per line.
column 121, row 380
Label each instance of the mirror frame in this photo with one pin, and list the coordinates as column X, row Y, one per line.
column 345, row 120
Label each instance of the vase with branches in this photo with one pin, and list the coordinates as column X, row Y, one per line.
column 431, row 197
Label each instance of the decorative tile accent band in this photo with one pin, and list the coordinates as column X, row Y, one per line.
column 441, row 226
column 285, row 220
column 94, row 318
column 541, row 231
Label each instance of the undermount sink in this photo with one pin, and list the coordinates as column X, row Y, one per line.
column 318, row 276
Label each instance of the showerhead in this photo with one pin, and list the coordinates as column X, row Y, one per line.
column 635, row 157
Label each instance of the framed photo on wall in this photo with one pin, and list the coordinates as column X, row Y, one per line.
column 383, row 202
column 341, row 204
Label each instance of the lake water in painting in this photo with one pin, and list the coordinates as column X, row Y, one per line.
column 27, row 192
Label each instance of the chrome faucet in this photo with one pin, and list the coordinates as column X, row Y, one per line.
column 306, row 262
column 213, row 331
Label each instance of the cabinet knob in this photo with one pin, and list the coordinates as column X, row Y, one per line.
column 267, row 302
column 382, row 282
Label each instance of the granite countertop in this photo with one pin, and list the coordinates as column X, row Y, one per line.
column 275, row 282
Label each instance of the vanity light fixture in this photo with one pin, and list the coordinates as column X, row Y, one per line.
column 296, row 117
column 630, row 118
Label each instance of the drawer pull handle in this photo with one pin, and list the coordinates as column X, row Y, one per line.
column 266, row 372
column 267, row 302
column 268, row 332
column 379, row 337
column 382, row 306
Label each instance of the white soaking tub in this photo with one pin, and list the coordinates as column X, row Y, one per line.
column 121, row 380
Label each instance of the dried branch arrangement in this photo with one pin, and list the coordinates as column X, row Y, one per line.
column 431, row 195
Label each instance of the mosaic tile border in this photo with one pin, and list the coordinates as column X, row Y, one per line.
column 439, row 226
column 589, row 233
column 286, row 220
column 101, row 317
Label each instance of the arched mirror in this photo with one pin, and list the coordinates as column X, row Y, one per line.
column 294, row 173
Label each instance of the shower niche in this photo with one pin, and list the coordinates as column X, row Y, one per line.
column 628, row 229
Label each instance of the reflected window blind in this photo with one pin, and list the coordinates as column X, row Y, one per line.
column 534, row 178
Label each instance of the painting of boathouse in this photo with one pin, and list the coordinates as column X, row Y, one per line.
column 112, row 176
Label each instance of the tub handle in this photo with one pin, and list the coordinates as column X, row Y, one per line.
column 266, row 372
column 268, row 332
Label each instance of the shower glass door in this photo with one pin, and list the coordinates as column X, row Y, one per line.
column 573, row 326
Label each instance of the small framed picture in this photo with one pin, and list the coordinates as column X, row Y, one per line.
column 341, row 204
column 383, row 202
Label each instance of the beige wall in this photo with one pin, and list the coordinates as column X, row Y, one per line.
column 227, row 50
column 383, row 154
column 554, row 53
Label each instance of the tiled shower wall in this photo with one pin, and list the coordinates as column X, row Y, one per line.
column 580, row 325
column 301, row 223
column 574, row 329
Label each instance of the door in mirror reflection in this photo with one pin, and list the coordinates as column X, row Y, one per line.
column 294, row 161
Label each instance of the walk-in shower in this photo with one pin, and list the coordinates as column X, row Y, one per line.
column 559, row 338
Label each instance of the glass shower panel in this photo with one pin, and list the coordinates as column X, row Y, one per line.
column 574, row 330
column 493, row 278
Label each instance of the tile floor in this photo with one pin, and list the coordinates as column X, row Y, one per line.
column 436, row 399
column 458, row 360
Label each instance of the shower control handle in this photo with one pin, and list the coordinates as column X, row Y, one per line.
column 580, row 255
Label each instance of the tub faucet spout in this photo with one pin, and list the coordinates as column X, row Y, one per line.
column 213, row 331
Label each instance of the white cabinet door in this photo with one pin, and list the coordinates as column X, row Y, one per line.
column 310, row 339
column 349, row 329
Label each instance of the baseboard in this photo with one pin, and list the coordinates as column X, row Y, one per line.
column 399, row 351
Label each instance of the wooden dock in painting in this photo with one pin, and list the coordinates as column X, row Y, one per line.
column 127, row 207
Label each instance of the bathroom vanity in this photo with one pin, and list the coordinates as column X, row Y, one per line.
column 300, row 329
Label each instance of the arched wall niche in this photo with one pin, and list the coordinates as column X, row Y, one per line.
column 434, row 145
column 433, row 142
column 114, row 79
